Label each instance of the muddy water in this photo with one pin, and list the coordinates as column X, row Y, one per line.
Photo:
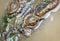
column 49, row 29
column 3, row 3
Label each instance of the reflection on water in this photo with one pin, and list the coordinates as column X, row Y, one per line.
column 49, row 30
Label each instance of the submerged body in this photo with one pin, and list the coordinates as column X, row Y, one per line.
column 27, row 17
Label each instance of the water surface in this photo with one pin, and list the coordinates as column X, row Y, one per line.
column 49, row 29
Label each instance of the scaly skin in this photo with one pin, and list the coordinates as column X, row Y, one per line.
column 30, row 20
column 11, row 6
column 40, row 14
column 48, row 8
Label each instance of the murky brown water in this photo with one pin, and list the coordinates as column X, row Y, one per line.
column 49, row 30
column 3, row 3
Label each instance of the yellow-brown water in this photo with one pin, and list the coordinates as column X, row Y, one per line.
column 49, row 29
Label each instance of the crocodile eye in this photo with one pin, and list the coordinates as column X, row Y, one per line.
column 32, row 19
column 14, row 6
